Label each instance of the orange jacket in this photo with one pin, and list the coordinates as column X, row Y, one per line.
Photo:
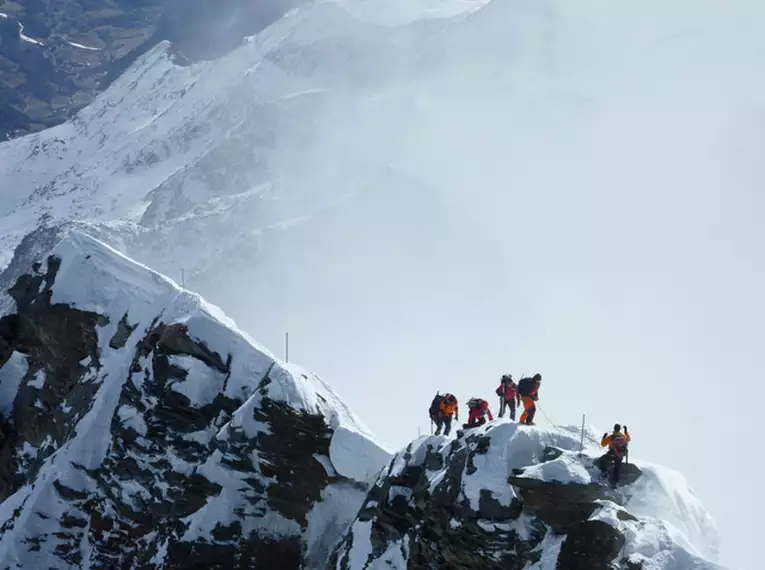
column 608, row 440
column 448, row 409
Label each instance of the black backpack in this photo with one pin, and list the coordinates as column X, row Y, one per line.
column 435, row 405
column 525, row 387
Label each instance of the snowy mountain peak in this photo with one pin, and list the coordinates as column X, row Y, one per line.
column 144, row 428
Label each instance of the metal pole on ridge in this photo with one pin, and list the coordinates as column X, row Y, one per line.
column 581, row 443
column 286, row 347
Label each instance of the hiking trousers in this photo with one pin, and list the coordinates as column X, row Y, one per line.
column 529, row 410
column 503, row 404
column 479, row 422
column 443, row 421
column 611, row 465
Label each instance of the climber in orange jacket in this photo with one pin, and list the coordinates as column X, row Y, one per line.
column 528, row 388
column 441, row 411
column 618, row 446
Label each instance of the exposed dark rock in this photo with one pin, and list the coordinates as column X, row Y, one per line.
column 124, row 330
column 629, row 472
column 590, row 545
column 174, row 339
column 561, row 506
column 60, row 345
column 249, row 554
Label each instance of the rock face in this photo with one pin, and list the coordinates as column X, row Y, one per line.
column 511, row 497
column 56, row 56
column 143, row 430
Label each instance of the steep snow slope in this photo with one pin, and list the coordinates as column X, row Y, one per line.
column 511, row 496
column 147, row 429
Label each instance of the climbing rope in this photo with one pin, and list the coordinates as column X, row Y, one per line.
column 556, row 426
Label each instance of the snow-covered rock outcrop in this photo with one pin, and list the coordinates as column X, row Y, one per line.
column 509, row 496
column 145, row 430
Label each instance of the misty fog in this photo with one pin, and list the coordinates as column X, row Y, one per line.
column 571, row 188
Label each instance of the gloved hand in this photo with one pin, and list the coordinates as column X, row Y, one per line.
column 605, row 435
column 626, row 429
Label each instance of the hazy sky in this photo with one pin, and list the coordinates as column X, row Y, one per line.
column 571, row 188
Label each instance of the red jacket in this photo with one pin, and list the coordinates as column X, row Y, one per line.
column 477, row 413
column 509, row 390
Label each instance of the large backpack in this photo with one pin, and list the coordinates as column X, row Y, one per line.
column 620, row 444
column 435, row 405
column 525, row 387
column 475, row 403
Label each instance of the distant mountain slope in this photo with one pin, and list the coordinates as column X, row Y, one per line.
column 55, row 57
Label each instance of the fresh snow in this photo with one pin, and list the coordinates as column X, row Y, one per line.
column 11, row 375
column 203, row 383
column 26, row 38
column 353, row 457
column 81, row 46
column 329, row 520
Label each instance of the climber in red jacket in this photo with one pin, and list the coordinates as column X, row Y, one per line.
column 508, row 396
column 479, row 409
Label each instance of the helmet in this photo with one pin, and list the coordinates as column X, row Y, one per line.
column 450, row 398
column 617, row 427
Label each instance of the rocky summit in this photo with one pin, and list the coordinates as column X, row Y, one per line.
column 512, row 497
column 143, row 430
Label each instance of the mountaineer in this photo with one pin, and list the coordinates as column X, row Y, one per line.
column 442, row 408
column 508, row 395
column 618, row 447
column 479, row 409
column 528, row 389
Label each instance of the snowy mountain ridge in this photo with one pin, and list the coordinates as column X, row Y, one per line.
column 176, row 426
